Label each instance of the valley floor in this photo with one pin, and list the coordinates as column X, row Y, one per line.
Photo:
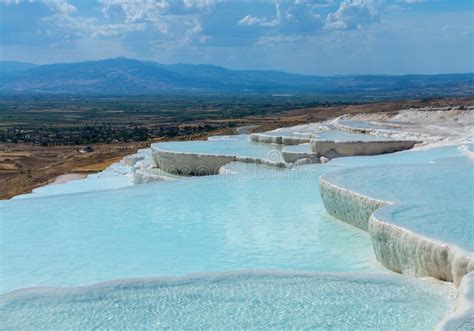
column 24, row 167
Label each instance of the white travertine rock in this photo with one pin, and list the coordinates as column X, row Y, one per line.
column 433, row 126
column 196, row 164
column 303, row 161
column 400, row 249
column 293, row 157
column 350, row 207
column 335, row 148
column 323, row 159
column 275, row 139
column 190, row 164
column 462, row 318
column 142, row 155
column 467, row 149
column 407, row 252
column 149, row 175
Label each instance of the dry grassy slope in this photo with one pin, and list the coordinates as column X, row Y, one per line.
column 41, row 165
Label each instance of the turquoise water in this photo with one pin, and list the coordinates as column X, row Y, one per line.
column 232, row 147
column 216, row 223
column 253, row 218
column 257, row 301
column 404, row 157
column 431, row 199
column 327, row 135
column 254, row 169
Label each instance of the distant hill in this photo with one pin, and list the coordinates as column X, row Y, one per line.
column 9, row 68
column 133, row 77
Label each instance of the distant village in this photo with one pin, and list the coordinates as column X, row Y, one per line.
column 54, row 136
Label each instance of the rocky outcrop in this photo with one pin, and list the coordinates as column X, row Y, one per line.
column 197, row 164
column 337, row 148
column 400, row 249
column 278, row 139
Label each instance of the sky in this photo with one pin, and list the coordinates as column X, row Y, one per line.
column 320, row 37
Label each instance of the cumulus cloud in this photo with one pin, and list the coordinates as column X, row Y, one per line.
column 160, row 24
column 61, row 7
column 290, row 19
column 186, row 21
column 242, row 34
column 352, row 14
column 143, row 10
column 171, row 22
column 263, row 21
column 198, row 3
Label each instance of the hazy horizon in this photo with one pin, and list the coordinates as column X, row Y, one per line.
column 305, row 37
column 244, row 69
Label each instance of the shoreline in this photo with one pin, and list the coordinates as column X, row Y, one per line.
column 61, row 179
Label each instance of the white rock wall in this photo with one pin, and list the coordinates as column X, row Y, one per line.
column 398, row 249
column 335, row 148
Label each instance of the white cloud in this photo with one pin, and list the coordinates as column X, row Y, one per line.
column 198, row 3
column 136, row 10
column 15, row 2
column 263, row 21
column 352, row 14
column 167, row 23
column 298, row 18
column 60, row 7
column 163, row 24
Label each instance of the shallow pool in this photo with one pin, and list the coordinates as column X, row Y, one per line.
column 225, row 146
column 434, row 200
column 403, row 157
column 215, row 223
column 256, row 300
column 246, row 225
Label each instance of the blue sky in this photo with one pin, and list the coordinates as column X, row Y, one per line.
column 323, row 37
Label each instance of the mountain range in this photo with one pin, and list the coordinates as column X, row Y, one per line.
column 123, row 76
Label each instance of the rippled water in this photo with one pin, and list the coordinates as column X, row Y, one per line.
column 258, row 301
column 253, row 218
column 431, row 199
column 216, row 223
